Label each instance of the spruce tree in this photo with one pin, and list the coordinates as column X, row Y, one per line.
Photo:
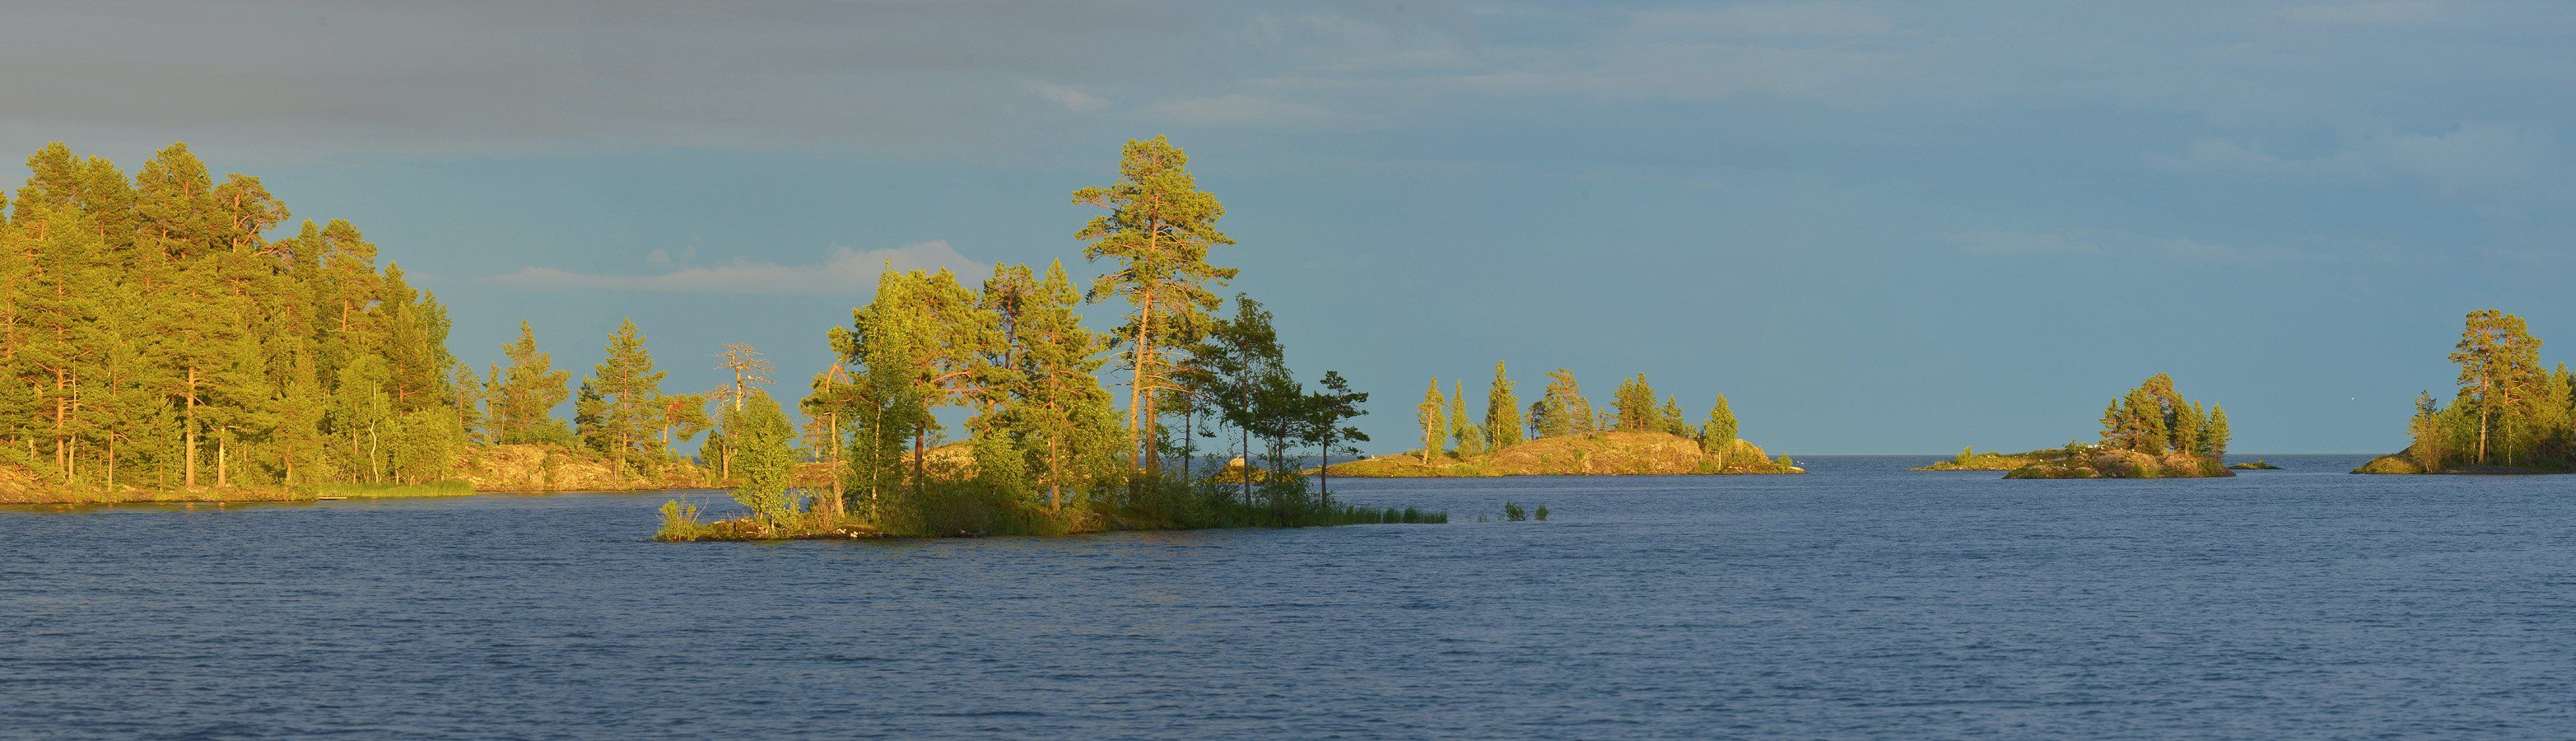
column 1669, row 418
column 1502, row 412
column 524, row 395
column 1462, row 428
column 629, row 392
column 2218, row 434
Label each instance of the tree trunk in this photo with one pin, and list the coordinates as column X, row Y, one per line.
column 189, row 480
column 1140, row 392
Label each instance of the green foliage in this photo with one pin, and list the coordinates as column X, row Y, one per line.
column 1462, row 428
column 1159, row 228
column 1633, row 406
column 371, row 491
column 1502, row 412
column 1541, row 514
column 680, row 523
column 161, row 341
column 525, row 394
column 765, row 460
column 1719, row 432
column 2153, row 418
column 1512, row 512
column 1564, row 411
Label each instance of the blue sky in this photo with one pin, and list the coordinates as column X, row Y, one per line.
column 1876, row 227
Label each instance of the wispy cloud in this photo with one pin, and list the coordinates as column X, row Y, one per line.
column 1240, row 110
column 2006, row 243
column 2482, row 161
column 844, row 271
column 2378, row 12
column 1072, row 99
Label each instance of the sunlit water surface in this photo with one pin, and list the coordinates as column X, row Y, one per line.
column 1859, row 600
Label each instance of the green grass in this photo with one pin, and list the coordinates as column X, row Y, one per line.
column 386, row 491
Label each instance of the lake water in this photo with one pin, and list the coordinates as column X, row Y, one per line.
column 1856, row 601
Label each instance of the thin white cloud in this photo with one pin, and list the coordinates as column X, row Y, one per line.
column 2006, row 243
column 2379, row 12
column 2017, row 244
column 1240, row 110
column 1072, row 99
column 844, row 271
column 2479, row 161
column 1810, row 20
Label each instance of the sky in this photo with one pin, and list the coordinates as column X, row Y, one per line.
column 1876, row 227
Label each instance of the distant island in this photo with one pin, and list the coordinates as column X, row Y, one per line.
column 1564, row 435
column 2510, row 415
column 2151, row 432
column 2257, row 464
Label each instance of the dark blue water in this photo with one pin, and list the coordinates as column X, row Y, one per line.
column 1856, row 601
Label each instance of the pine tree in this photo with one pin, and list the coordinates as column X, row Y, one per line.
column 1433, row 433
column 2499, row 371
column 1462, row 428
column 1566, row 412
column 629, row 391
column 1502, row 412
column 2218, row 434
column 1159, row 227
column 1064, row 416
column 1718, row 434
column 1634, row 405
column 1322, row 424
column 1669, row 420
column 524, row 396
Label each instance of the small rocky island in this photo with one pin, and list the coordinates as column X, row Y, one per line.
column 2151, row 432
column 1563, row 435
column 2257, row 464
column 1613, row 453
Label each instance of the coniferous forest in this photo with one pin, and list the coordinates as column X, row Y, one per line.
column 161, row 343
column 155, row 338
column 2509, row 413
column 166, row 334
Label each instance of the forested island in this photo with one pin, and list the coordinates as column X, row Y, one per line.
column 2510, row 415
column 2148, row 433
column 1562, row 434
column 159, row 345
column 166, row 347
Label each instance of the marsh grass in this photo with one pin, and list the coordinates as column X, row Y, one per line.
column 972, row 509
column 371, row 491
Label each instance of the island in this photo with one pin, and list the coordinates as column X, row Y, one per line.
column 2151, row 432
column 171, row 336
column 2510, row 416
column 1970, row 459
column 2257, row 464
column 1562, row 434
column 1613, row 453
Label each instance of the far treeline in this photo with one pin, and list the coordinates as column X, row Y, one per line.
column 2510, row 414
